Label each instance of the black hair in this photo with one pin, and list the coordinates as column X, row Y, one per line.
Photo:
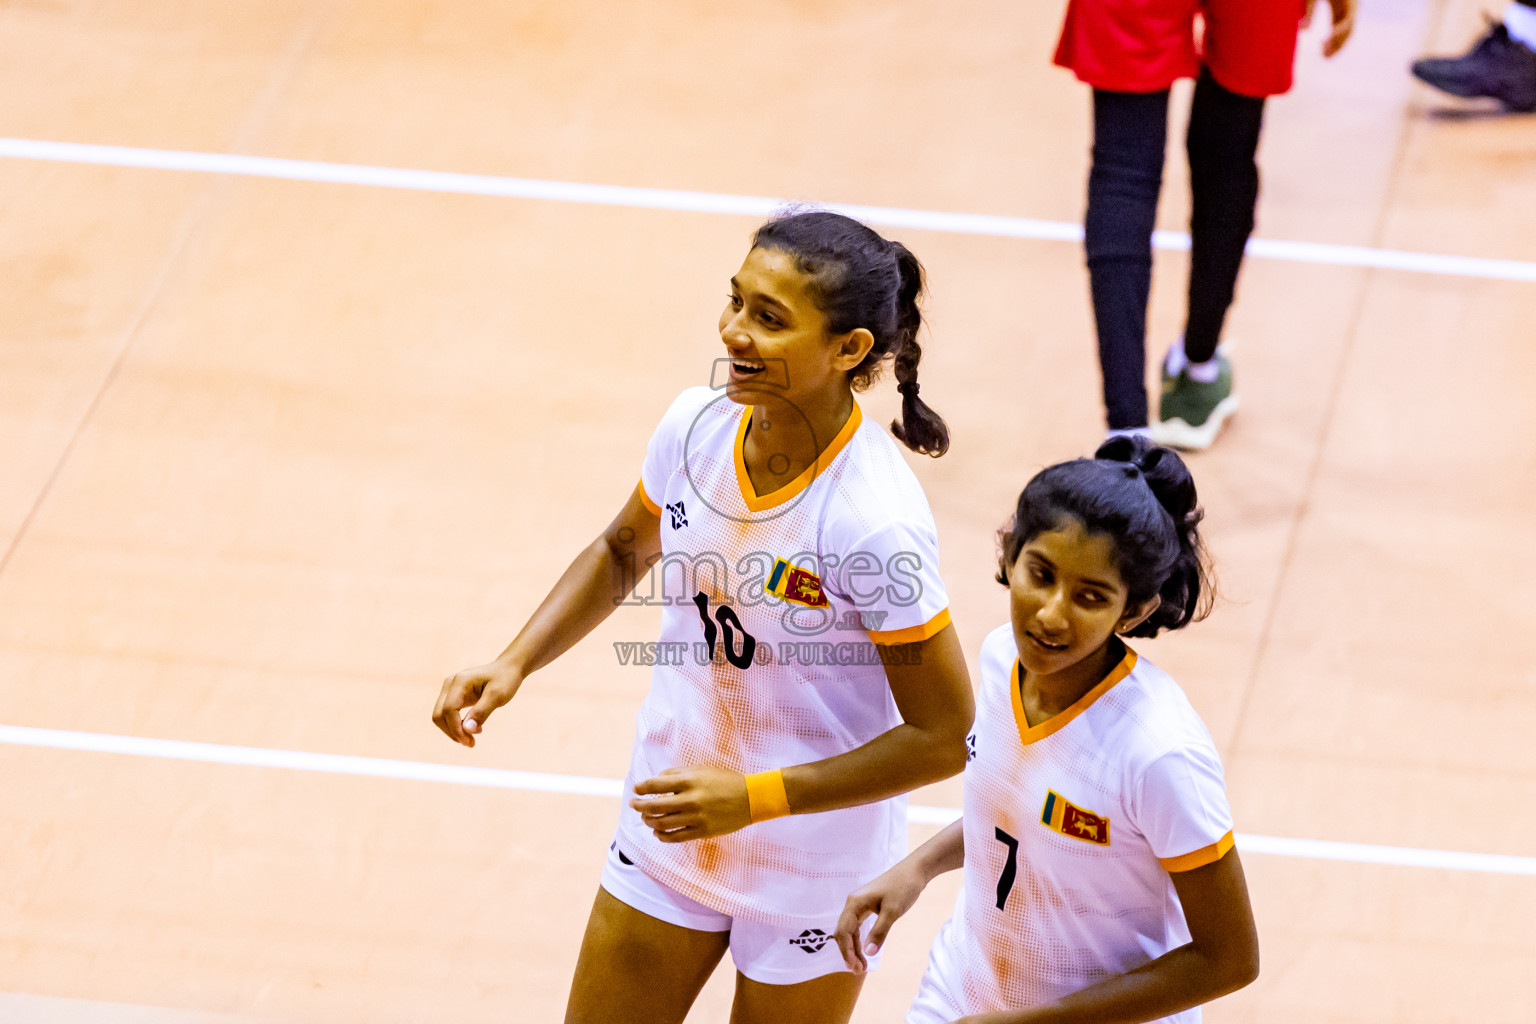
column 1143, row 497
column 859, row 279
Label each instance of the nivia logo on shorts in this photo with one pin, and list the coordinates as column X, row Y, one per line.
column 811, row 940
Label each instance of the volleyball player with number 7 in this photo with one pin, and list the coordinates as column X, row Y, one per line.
column 1101, row 882
column 795, row 547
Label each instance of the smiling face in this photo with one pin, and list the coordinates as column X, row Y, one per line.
column 1067, row 601
column 776, row 337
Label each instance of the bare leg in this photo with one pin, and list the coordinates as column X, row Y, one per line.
column 634, row 969
column 825, row 1000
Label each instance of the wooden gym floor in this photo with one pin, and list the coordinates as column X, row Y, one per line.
column 278, row 455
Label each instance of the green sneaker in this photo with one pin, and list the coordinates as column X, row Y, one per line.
column 1192, row 413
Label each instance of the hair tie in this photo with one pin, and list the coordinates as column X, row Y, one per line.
column 908, row 388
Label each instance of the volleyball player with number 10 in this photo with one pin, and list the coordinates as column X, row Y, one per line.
column 766, row 781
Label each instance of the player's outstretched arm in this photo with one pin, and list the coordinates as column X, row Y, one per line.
column 932, row 689
column 596, row 582
column 893, row 894
column 1222, row 957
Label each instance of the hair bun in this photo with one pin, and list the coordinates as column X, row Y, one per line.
column 1122, row 448
column 1171, row 481
column 1162, row 469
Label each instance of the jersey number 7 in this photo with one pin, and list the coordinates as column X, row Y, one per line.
column 1010, row 867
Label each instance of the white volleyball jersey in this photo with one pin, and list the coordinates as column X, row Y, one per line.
column 1071, row 830
column 773, row 607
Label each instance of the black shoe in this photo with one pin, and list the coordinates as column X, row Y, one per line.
column 1498, row 67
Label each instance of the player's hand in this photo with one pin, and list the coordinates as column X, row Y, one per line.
column 887, row 897
column 693, row 803
column 1343, row 23
column 468, row 698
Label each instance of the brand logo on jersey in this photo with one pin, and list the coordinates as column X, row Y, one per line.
column 792, row 583
column 970, row 747
column 1061, row 815
column 679, row 515
column 811, row 940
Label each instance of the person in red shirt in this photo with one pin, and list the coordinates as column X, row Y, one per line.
column 1131, row 52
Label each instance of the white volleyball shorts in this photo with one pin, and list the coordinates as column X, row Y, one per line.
column 765, row 953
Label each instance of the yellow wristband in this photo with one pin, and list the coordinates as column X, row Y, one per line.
column 765, row 795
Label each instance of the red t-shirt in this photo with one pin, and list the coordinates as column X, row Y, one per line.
column 1147, row 45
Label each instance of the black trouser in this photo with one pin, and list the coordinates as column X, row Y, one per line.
column 1129, row 133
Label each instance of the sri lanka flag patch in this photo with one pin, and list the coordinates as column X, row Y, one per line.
column 792, row 583
column 1061, row 815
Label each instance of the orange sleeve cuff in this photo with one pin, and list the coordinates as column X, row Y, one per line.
column 1199, row 858
column 646, row 500
column 912, row 634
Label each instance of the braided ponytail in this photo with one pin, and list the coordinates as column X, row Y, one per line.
column 860, row 279
column 920, row 429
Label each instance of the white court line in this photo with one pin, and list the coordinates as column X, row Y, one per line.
column 583, row 785
column 23, row 1008
column 718, row 202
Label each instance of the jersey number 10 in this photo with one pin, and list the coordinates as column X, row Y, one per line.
column 731, row 625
